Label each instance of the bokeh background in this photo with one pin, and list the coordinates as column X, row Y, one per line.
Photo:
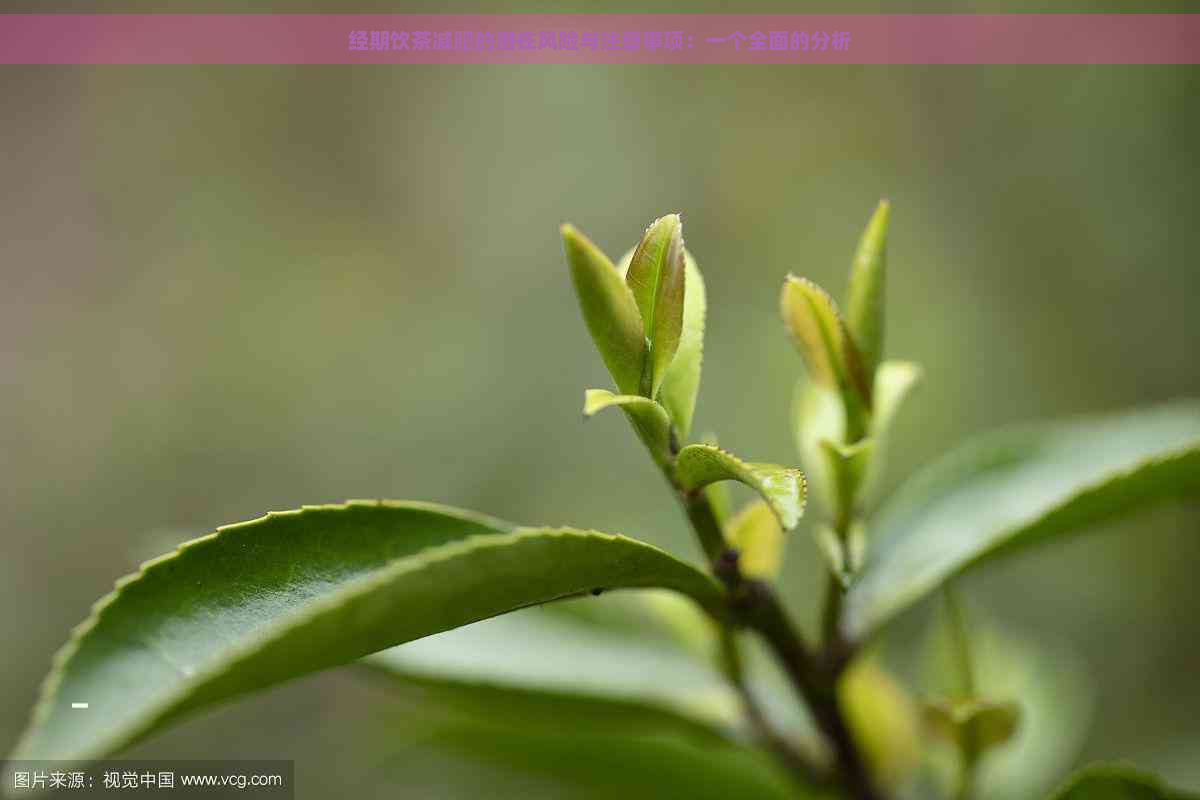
column 225, row 290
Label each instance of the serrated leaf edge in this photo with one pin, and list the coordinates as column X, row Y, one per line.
column 754, row 469
column 508, row 534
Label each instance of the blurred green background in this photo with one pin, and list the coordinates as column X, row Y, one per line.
column 230, row 289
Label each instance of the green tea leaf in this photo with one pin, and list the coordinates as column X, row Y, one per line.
column 848, row 466
column 865, row 302
column 558, row 655
column 830, row 354
column 681, row 384
column 698, row 465
column 1015, row 488
column 973, row 723
column 682, row 381
column 570, row 750
column 1116, row 782
column 755, row 532
column 648, row 418
column 657, row 277
column 609, row 310
column 261, row 602
column 624, row 668
column 818, row 416
column 894, row 381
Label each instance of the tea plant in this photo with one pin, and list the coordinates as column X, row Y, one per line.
column 260, row 602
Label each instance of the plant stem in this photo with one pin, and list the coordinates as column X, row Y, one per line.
column 799, row 763
column 754, row 605
column 761, row 611
column 969, row 747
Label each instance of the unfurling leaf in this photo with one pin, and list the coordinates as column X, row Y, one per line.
column 817, row 416
column 648, row 418
column 848, row 466
column 609, row 310
column 657, row 279
column 1018, row 487
column 682, row 381
column 754, row 530
column 894, row 381
column 865, row 300
column 973, row 725
column 698, row 465
column 291, row 593
column 829, row 353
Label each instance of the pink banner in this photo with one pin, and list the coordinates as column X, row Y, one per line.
column 599, row 39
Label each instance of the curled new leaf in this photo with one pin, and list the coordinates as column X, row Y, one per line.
column 682, row 381
column 818, row 423
column 830, row 354
column 609, row 310
column 648, row 418
column 698, row 465
column 818, row 416
column 756, row 534
column 657, row 279
column 848, row 466
column 894, row 381
column 865, row 303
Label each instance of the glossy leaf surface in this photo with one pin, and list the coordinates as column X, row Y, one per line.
column 657, row 279
column 609, row 310
column 293, row 592
column 1016, row 488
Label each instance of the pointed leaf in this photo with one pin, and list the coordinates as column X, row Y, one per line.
column 894, row 381
column 648, row 418
column 755, row 532
column 1015, row 488
column 698, row 465
column 657, row 276
column 865, row 303
column 294, row 592
column 817, row 416
column 820, row 334
column 1117, row 782
column 608, row 309
column 681, row 384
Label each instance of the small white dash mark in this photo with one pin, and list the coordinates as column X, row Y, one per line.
column 79, row 705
